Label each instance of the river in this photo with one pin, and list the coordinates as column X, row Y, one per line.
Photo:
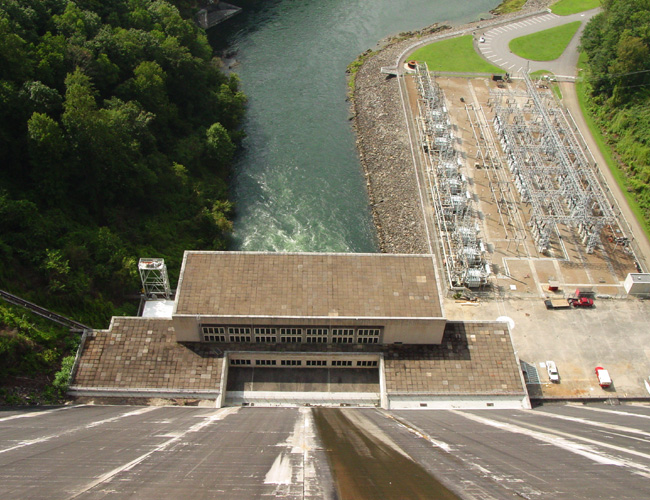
column 298, row 183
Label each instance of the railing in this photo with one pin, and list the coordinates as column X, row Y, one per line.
column 44, row 313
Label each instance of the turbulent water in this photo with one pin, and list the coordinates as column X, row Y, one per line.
column 298, row 184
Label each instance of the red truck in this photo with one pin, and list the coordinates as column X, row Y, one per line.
column 579, row 300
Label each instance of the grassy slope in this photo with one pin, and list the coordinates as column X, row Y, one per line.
column 567, row 7
column 508, row 6
column 464, row 60
column 544, row 45
column 606, row 150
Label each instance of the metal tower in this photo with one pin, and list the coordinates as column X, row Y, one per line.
column 155, row 282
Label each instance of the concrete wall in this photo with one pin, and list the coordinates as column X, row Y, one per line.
column 458, row 402
column 403, row 330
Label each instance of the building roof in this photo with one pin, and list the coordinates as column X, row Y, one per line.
column 307, row 285
column 640, row 277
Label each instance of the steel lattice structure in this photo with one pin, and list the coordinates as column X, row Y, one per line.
column 456, row 220
column 550, row 170
column 155, row 282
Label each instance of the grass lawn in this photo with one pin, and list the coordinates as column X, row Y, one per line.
column 566, row 7
column 605, row 149
column 454, row 54
column 544, row 45
column 508, row 6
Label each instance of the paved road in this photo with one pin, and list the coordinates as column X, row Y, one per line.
column 161, row 452
column 570, row 100
column 496, row 50
column 559, row 452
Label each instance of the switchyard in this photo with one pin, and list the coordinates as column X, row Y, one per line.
column 515, row 196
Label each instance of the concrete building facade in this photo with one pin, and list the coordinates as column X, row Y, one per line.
column 302, row 329
column 311, row 298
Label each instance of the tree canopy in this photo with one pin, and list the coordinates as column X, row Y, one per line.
column 117, row 133
column 617, row 45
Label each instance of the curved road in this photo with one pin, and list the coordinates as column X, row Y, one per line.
column 495, row 48
column 498, row 35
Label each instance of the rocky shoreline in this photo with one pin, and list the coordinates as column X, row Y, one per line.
column 383, row 142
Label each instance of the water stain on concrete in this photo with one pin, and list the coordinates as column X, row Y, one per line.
column 369, row 467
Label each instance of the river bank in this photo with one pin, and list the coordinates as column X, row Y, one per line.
column 383, row 142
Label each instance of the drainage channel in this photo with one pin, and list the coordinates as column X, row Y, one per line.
column 365, row 467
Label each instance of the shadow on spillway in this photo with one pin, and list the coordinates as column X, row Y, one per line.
column 366, row 467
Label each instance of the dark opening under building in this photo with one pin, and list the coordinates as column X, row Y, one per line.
column 304, row 328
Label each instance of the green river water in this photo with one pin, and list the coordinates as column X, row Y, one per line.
column 298, row 183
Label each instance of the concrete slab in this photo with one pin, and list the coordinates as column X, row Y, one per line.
column 578, row 452
column 614, row 334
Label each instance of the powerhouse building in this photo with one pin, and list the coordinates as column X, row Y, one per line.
column 308, row 298
column 254, row 328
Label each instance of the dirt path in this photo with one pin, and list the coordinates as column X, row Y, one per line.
column 570, row 100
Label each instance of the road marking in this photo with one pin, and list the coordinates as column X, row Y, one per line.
column 43, row 439
column 611, row 427
column 496, row 60
column 617, row 412
column 38, row 413
column 557, row 438
column 207, row 420
column 512, row 66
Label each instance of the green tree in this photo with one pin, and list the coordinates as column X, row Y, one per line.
column 220, row 148
column 47, row 149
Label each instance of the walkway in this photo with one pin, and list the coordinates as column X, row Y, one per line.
column 495, row 48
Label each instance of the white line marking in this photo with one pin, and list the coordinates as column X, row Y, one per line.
column 219, row 415
column 38, row 413
column 617, row 412
column 556, row 439
column 43, row 439
column 611, row 427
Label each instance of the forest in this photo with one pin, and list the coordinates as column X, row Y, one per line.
column 117, row 133
column 617, row 46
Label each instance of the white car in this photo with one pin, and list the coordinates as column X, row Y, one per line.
column 482, row 39
column 553, row 375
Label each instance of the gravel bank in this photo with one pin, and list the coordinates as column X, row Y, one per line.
column 383, row 143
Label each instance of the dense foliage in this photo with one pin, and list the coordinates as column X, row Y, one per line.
column 117, row 130
column 617, row 45
column 31, row 351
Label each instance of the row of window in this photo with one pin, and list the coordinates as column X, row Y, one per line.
column 290, row 335
column 298, row 362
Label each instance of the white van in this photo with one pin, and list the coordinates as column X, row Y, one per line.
column 603, row 377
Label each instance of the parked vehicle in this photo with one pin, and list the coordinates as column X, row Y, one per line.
column 581, row 299
column 553, row 374
column 556, row 304
column 581, row 302
column 603, row 377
